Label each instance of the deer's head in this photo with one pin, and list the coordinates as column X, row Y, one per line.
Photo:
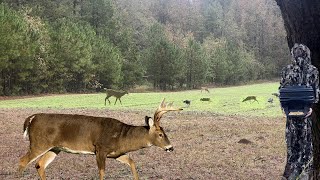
column 156, row 133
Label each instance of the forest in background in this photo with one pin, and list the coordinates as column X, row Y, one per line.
column 60, row 46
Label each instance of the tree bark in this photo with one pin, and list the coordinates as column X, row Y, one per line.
column 302, row 24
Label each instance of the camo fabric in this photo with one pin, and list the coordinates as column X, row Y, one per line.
column 299, row 149
column 298, row 130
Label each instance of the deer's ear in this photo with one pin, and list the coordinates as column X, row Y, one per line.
column 149, row 121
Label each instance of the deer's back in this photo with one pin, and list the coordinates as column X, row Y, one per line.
column 76, row 132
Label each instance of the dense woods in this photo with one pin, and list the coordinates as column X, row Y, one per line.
column 84, row 46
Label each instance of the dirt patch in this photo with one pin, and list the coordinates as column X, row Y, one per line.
column 206, row 147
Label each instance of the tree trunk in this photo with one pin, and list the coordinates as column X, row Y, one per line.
column 302, row 23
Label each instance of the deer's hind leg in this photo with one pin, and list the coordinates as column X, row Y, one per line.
column 31, row 156
column 44, row 161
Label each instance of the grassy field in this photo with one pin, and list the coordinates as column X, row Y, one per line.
column 224, row 101
column 221, row 139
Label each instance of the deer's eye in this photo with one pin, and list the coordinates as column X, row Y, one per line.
column 161, row 135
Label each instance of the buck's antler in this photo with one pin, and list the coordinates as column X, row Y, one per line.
column 162, row 109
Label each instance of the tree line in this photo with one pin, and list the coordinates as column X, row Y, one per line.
column 85, row 46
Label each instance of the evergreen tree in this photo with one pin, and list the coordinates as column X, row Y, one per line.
column 107, row 61
column 161, row 59
column 20, row 45
column 197, row 66
column 73, row 54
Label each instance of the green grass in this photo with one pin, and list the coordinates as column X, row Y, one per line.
column 226, row 101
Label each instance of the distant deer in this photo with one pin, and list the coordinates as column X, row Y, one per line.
column 205, row 89
column 49, row 134
column 117, row 94
column 249, row 98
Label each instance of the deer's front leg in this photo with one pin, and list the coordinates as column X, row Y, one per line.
column 101, row 161
column 127, row 160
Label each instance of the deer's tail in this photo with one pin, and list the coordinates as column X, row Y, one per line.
column 26, row 125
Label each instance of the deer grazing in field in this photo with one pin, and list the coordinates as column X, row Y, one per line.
column 117, row 94
column 205, row 89
column 250, row 98
column 49, row 134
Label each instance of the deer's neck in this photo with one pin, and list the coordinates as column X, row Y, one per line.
column 136, row 137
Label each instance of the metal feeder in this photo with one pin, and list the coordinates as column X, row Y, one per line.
column 296, row 100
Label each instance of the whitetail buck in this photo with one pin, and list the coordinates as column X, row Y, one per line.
column 117, row 94
column 249, row 98
column 205, row 89
column 49, row 134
